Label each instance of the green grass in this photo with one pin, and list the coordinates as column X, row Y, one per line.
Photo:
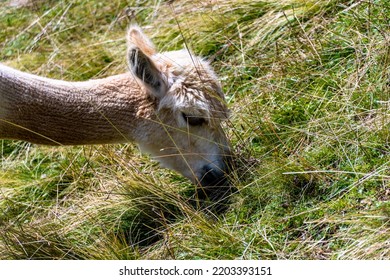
column 308, row 86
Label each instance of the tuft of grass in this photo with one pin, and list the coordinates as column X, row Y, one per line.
column 307, row 84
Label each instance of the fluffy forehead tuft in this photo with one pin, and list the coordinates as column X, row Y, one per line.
column 194, row 87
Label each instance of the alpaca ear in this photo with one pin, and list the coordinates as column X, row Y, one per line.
column 140, row 52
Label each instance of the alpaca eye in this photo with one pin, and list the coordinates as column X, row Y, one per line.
column 193, row 120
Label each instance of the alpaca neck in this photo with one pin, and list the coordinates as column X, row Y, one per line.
column 54, row 112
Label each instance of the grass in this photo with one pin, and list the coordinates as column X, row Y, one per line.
column 308, row 86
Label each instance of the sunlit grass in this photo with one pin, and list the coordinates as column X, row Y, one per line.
column 307, row 86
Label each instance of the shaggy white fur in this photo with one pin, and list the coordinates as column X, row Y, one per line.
column 170, row 103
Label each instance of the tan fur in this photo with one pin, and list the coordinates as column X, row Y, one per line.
column 145, row 105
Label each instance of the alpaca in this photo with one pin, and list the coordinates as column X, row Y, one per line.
column 171, row 104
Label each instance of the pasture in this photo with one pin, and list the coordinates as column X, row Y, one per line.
column 307, row 86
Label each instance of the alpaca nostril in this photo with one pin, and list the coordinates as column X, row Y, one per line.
column 212, row 183
column 211, row 176
column 214, row 189
column 216, row 174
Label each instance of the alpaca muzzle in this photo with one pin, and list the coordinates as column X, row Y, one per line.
column 214, row 189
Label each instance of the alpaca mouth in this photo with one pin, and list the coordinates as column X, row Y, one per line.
column 213, row 184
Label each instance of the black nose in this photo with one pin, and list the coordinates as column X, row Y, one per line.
column 214, row 190
column 212, row 177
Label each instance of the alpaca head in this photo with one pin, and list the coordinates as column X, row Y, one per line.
column 190, row 106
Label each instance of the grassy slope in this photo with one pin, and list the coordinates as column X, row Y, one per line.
column 307, row 83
